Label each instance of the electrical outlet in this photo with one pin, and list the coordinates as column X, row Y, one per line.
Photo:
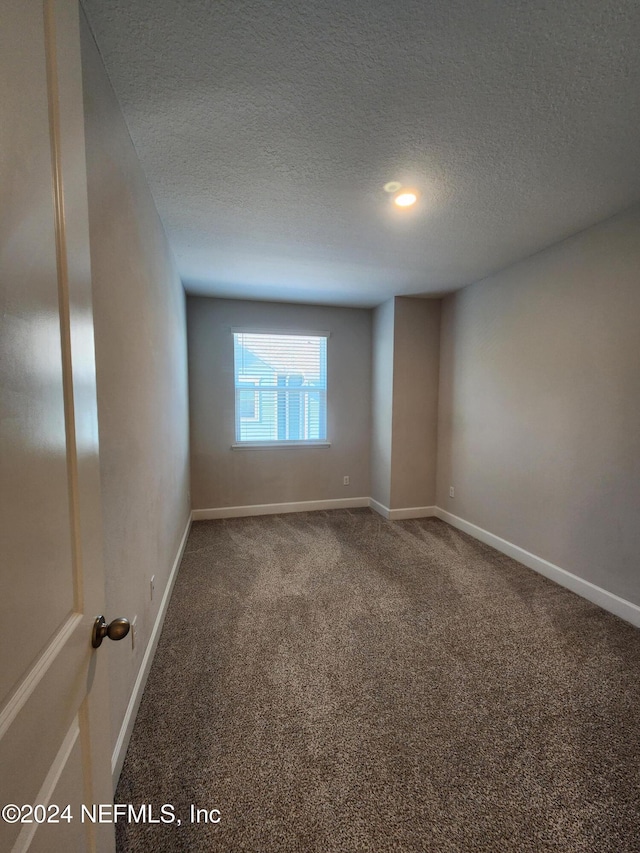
column 452, row 492
column 345, row 481
column 152, row 584
column 134, row 632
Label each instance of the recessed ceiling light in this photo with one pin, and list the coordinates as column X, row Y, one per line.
column 392, row 186
column 405, row 199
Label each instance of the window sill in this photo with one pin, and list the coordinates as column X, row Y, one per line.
column 277, row 445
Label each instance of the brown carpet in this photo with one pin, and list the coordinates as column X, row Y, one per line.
column 333, row 682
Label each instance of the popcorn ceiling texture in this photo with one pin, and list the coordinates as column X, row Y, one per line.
column 268, row 129
column 332, row 683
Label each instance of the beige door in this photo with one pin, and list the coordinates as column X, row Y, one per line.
column 54, row 739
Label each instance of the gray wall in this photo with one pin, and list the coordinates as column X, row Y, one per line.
column 140, row 340
column 222, row 477
column 382, row 401
column 416, row 359
column 404, row 412
column 539, row 426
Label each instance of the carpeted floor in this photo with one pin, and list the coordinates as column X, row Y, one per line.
column 333, row 682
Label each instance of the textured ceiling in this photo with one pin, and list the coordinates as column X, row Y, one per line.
column 268, row 129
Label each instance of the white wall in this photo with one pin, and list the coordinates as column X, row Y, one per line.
column 222, row 477
column 539, row 424
column 141, row 360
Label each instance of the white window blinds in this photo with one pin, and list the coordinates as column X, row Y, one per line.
column 280, row 387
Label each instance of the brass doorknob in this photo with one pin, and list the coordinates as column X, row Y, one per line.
column 115, row 630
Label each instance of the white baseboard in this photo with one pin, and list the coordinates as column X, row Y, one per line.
column 411, row 512
column 405, row 512
column 607, row 600
column 120, row 749
column 381, row 509
column 276, row 509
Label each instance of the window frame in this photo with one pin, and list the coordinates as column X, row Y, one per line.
column 279, row 444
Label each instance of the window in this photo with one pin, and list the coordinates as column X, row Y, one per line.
column 247, row 400
column 280, row 388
